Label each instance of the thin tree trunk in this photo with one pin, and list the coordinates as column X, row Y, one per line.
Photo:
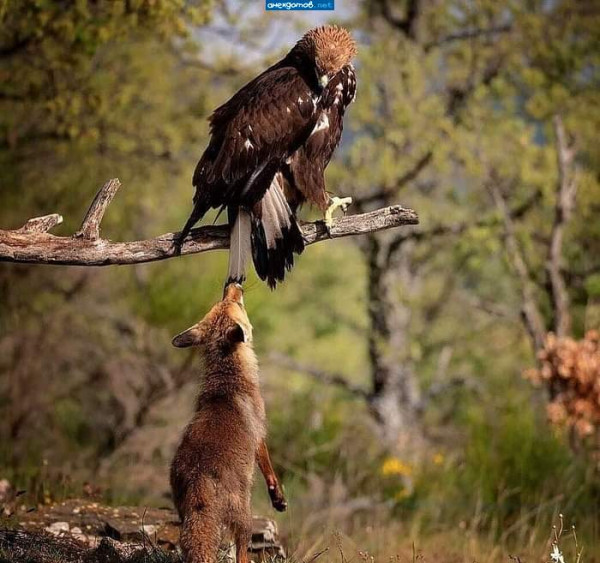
column 395, row 396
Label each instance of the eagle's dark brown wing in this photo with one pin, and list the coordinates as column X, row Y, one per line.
column 251, row 135
column 307, row 165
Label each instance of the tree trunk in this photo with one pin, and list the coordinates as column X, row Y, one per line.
column 395, row 396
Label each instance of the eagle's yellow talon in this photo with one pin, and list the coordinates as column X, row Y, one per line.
column 335, row 203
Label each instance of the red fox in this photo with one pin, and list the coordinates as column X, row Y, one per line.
column 213, row 468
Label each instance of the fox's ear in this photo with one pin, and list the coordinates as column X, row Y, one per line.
column 236, row 334
column 190, row 337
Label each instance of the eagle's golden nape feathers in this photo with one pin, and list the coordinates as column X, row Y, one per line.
column 330, row 46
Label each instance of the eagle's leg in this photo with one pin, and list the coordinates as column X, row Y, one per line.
column 335, row 203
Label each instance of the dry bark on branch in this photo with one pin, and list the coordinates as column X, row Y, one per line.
column 90, row 228
column 41, row 224
column 33, row 244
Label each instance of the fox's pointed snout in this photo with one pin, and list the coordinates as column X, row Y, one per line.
column 234, row 292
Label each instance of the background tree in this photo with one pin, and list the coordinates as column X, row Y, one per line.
column 88, row 87
column 470, row 113
column 428, row 430
column 485, row 154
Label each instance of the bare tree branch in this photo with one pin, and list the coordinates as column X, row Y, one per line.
column 192, row 59
column 459, row 95
column 565, row 199
column 559, row 297
column 90, row 228
column 326, row 377
column 154, row 392
column 442, row 387
column 384, row 192
column 532, row 316
column 33, row 245
column 468, row 34
column 437, row 231
column 489, row 307
column 406, row 24
column 41, row 224
column 342, row 319
column 454, row 229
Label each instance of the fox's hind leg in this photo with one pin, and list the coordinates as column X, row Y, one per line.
column 200, row 537
column 242, row 533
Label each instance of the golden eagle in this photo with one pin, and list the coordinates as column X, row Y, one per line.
column 269, row 146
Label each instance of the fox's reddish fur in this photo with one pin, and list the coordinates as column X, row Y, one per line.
column 213, row 468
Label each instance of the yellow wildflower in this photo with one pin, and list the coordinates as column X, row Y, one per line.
column 395, row 466
column 401, row 494
column 438, row 459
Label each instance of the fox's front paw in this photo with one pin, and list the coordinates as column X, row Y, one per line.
column 277, row 499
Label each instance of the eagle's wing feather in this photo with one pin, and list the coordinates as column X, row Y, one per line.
column 252, row 134
column 308, row 163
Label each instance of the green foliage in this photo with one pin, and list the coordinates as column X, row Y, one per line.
column 92, row 90
column 515, row 473
column 73, row 423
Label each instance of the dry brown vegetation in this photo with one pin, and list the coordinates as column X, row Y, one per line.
column 571, row 371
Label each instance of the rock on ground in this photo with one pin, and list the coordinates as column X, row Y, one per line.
column 89, row 532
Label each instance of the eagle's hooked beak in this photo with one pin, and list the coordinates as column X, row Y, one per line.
column 323, row 80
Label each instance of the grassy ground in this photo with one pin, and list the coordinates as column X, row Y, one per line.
column 446, row 547
column 494, row 496
column 329, row 548
column 396, row 542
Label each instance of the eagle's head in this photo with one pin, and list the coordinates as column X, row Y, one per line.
column 329, row 48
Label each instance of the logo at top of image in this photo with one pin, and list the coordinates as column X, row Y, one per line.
column 300, row 5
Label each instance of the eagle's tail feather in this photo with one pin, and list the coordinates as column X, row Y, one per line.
column 275, row 235
column 239, row 246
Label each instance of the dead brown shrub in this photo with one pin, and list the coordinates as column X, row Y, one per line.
column 571, row 371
